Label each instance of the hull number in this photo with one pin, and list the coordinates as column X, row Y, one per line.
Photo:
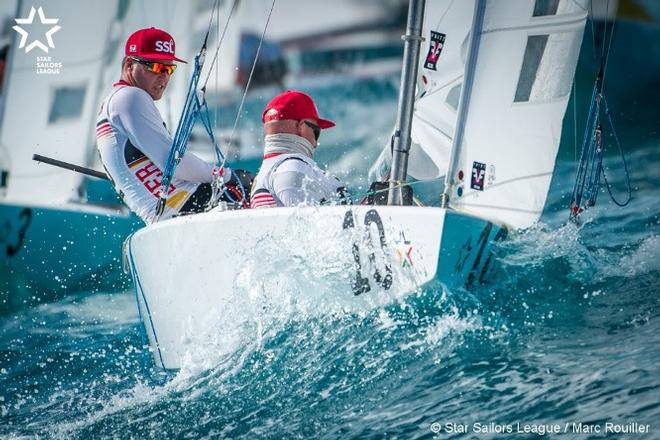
column 360, row 283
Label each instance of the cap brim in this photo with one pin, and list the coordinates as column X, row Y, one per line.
column 159, row 57
column 325, row 123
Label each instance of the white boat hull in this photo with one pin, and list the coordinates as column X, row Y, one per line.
column 192, row 273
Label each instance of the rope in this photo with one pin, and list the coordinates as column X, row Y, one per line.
column 196, row 108
column 590, row 168
column 362, row 197
column 254, row 64
column 184, row 129
column 623, row 160
column 222, row 36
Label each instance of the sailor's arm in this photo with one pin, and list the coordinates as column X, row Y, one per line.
column 144, row 128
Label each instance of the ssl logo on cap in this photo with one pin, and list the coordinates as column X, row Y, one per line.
column 165, row 46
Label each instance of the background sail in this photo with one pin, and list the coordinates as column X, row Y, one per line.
column 52, row 114
column 526, row 61
column 55, row 115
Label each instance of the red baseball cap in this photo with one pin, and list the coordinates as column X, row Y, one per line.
column 151, row 44
column 293, row 105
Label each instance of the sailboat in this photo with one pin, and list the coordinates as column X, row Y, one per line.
column 484, row 95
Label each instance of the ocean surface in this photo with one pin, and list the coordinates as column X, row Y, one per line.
column 567, row 332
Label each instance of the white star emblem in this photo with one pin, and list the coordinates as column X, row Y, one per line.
column 37, row 43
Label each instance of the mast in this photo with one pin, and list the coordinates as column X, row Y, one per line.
column 464, row 103
column 401, row 137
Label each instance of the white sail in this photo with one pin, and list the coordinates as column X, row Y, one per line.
column 446, row 33
column 438, row 91
column 52, row 114
column 525, row 58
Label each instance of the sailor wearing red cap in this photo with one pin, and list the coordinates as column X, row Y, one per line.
column 132, row 138
column 288, row 175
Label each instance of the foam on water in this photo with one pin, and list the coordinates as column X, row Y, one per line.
column 640, row 259
column 368, row 346
column 567, row 331
column 306, row 275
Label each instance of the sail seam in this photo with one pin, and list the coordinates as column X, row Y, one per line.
column 434, row 127
column 515, row 179
column 502, row 208
column 538, row 27
column 443, row 86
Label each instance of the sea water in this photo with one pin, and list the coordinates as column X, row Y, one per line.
column 562, row 343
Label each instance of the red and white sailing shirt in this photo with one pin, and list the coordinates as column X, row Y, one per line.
column 292, row 179
column 134, row 144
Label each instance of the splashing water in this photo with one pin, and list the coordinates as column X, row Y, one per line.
column 566, row 332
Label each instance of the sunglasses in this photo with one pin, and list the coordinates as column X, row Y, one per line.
column 315, row 128
column 156, row 67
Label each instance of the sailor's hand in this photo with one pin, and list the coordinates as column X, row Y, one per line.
column 239, row 185
column 221, row 173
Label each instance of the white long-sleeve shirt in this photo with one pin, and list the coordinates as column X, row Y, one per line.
column 134, row 145
column 292, row 180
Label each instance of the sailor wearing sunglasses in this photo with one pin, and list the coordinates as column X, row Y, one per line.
column 134, row 143
column 288, row 175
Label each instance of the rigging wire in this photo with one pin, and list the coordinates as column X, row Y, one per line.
column 590, row 168
column 196, row 108
column 254, row 64
column 575, row 95
column 609, row 45
column 222, row 36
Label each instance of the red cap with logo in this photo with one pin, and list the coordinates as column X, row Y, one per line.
column 293, row 105
column 151, row 44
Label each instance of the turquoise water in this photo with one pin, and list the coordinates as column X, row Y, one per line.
column 566, row 334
